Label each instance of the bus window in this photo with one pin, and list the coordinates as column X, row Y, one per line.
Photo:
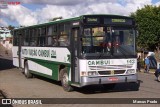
column 55, row 42
column 98, row 35
column 51, row 41
column 52, row 35
column 33, row 37
column 87, row 39
column 26, row 38
column 52, row 30
column 64, row 36
column 15, row 38
column 42, row 36
column 22, row 39
column 63, row 40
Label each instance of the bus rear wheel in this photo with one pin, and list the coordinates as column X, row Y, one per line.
column 26, row 71
column 64, row 80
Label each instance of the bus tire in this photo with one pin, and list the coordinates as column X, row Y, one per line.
column 26, row 71
column 64, row 80
column 136, row 86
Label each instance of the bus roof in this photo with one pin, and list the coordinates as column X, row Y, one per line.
column 72, row 19
column 108, row 15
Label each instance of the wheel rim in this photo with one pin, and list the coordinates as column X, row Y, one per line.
column 65, row 80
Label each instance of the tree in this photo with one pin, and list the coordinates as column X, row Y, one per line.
column 10, row 27
column 148, row 25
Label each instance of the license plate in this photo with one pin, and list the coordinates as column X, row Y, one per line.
column 113, row 79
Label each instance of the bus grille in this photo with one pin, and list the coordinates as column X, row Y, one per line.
column 104, row 72
column 111, row 72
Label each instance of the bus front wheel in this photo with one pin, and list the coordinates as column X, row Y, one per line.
column 26, row 71
column 64, row 80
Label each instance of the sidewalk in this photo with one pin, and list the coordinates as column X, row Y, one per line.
column 151, row 71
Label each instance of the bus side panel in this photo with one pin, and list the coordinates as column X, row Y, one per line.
column 15, row 56
column 46, row 60
column 55, row 70
column 44, row 68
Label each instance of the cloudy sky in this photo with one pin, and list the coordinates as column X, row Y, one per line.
column 31, row 12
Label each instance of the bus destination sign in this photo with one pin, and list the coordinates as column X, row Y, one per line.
column 92, row 20
column 118, row 21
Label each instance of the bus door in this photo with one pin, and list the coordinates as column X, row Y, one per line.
column 19, row 50
column 74, row 54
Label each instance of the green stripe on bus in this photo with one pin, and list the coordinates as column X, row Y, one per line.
column 41, row 74
column 54, row 66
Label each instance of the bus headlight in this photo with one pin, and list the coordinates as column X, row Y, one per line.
column 89, row 73
column 131, row 71
column 84, row 73
column 92, row 73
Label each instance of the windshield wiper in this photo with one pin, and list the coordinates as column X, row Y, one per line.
column 123, row 51
column 104, row 52
column 100, row 55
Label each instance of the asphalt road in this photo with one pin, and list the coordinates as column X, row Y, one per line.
column 15, row 85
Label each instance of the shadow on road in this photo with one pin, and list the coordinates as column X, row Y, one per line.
column 58, row 83
column 94, row 89
column 121, row 87
column 5, row 64
column 3, row 96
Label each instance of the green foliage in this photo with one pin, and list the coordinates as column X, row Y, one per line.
column 10, row 27
column 148, row 25
column 141, row 63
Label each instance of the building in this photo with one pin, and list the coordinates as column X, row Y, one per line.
column 5, row 38
column 5, row 34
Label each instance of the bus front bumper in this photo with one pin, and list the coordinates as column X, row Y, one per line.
column 108, row 79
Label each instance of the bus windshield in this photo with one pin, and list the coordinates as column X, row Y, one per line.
column 123, row 41
column 116, row 41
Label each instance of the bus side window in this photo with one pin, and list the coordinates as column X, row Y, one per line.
column 42, row 36
column 26, row 38
column 63, row 40
column 15, row 38
column 55, row 42
column 51, row 41
column 34, row 37
column 51, row 36
column 64, row 35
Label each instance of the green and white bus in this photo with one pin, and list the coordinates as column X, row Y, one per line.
column 81, row 51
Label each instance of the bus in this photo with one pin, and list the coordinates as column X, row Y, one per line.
column 81, row 51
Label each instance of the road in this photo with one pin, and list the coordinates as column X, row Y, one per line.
column 14, row 84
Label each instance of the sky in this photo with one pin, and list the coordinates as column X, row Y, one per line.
column 31, row 12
